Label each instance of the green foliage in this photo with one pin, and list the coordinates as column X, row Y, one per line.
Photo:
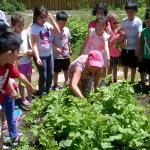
column 12, row 5
column 110, row 119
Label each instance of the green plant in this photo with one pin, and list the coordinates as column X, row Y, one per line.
column 110, row 119
column 12, row 5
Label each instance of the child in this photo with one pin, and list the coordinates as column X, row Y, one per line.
column 116, row 38
column 41, row 39
column 24, row 63
column 144, row 23
column 61, row 46
column 98, row 40
column 132, row 26
column 100, row 9
column 144, row 50
column 9, row 48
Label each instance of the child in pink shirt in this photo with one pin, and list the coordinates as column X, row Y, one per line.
column 117, row 37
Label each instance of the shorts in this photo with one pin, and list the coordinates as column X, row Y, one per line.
column 129, row 59
column 104, row 58
column 25, row 69
column 61, row 64
column 115, row 60
column 144, row 66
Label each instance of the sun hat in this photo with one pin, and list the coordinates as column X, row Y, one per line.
column 3, row 18
column 95, row 58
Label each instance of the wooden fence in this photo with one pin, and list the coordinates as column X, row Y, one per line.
column 72, row 4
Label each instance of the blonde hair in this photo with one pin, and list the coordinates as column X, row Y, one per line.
column 112, row 16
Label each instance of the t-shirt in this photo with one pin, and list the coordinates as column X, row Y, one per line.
column 145, row 35
column 96, row 42
column 24, row 47
column 44, row 38
column 80, row 62
column 131, row 29
column 61, row 40
column 114, row 52
column 7, row 71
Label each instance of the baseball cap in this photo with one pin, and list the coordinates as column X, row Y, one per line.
column 3, row 18
column 95, row 58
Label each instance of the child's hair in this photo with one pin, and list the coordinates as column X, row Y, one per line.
column 15, row 18
column 62, row 15
column 38, row 10
column 147, row 15
column 148, row 9
column 100, row 6
column 102, row 19
column 3, row 27
column 9, row 41
column 131, row 5
column 112, row 16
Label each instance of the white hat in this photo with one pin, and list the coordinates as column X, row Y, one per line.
column 3, row 18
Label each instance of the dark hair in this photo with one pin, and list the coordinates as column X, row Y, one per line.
column 148, row 9
column 102, row 6
column 3, row 27
column 38, row 10
column 62, row 15
column 15, row 18
column 9, row 41
column 102, row 19
column 147, row 15
column 131, row 5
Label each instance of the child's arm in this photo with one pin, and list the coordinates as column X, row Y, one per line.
column 107, row 52
column 70, row 51
column 13, row 92
column 55, row 28
column 24, row 80
column 84, row 45
column 35, row 49
column 139, row 48
column 56, row 48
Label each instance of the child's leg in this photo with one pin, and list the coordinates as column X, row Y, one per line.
column 3, row 119
column 1, row 134
column 8, row 107
column 49, row 72
column 104, row 72
column 56, row 78
column 21, row 90
column 29, row 92
column 109, row 72
column 142, row 74
column 115, row 73
column 66, row 76
column 125, row 71
column 133, row 72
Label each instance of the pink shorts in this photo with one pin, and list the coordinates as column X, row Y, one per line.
column 25, row 69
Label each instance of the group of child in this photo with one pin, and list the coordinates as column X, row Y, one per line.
column 49, row 45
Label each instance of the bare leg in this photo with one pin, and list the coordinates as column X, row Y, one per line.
column 125, row 71
column 109, row 72
column 56, row 78
column 115, row 73
column 142, row 75
column 104, row 72
column 66, row 76
column 133, row 71
column 21, row 90
column 29, row 92
column 3, row 119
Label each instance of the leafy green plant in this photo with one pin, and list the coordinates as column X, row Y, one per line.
column 12, row 5
column 110, row 119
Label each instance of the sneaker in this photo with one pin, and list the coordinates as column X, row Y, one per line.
column 6, row 148
column 25, row 102
column 55, row 87
column 17, row 112
column 30, row 98
column 102, row 83
column 15, row 141
column 142, row 84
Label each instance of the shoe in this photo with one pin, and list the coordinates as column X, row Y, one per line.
column 17, row 118
column 25, row 101
column 102, row 83
column 30, row 98
column 17, row 112
column 6, row 148
column 15, row 141
column 142, row 84
column 55, row 87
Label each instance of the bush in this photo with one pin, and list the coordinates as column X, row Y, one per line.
column 12, row 5
column 110, row 119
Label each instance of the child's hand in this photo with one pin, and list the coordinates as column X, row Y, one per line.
column 14, row 94
column 31, row 88
column 39, row 62
column 50, row 16
column 59, row 50
column 70, row 52
column 30, row 53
